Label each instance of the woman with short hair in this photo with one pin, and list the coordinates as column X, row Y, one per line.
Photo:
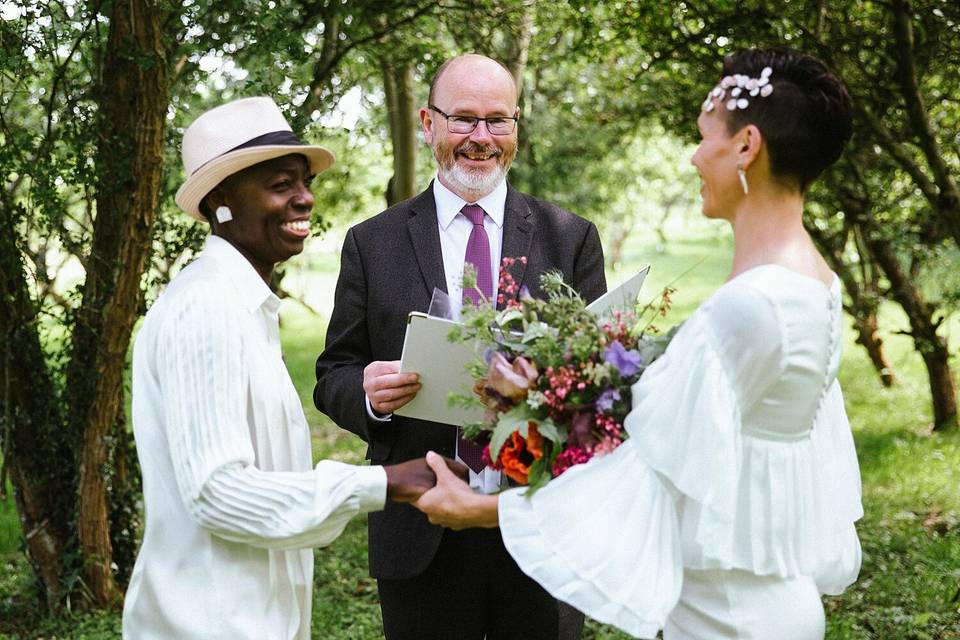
column 731, row 507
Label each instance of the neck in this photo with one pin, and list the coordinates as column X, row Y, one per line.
column 263, row 269
column 768, row 227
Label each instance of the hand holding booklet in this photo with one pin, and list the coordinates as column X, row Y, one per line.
column 441, row 364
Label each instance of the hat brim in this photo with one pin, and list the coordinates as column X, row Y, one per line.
column 202, row 182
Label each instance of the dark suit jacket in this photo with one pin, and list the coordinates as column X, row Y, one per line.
column 390, row 265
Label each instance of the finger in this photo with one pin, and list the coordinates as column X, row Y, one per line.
column 393, row 405
column 382, row 367
column 439, row 466
column 459, row 469
column 394, row 380
column 395, row 393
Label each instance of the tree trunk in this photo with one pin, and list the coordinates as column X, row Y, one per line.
column 398, row 88
column 923, row 329
column 35, row 450
column 517, row 46
column 132, row 107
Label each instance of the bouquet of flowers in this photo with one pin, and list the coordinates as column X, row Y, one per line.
column 553, row 377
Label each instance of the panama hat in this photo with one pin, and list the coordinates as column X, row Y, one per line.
column 235, row 136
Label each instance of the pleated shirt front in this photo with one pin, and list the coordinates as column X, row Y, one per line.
column 232, row 503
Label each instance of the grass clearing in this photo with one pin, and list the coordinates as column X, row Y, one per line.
column 909, row 587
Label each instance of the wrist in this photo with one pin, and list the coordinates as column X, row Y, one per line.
column 484, row 510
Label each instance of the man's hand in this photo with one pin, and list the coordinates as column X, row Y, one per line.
column 453, row 504
column 387, row 388
column 408, row 480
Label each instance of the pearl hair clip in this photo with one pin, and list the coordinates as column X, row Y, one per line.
column 739, row 86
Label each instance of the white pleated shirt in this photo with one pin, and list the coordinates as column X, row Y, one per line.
column 232, row 503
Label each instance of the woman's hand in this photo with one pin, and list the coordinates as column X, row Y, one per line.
column 408, row 480
column 452, row 503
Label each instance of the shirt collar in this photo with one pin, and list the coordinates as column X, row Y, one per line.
column 449, row 203
column 253, row 291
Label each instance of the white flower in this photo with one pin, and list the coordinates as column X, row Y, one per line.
column 752, row 84
column 743, row 103
column 717, row 92
column 767, row 90
column 741, row 80
column 736, row 92
column 727, row 82
column 754, row 91
column 731, row 104
column 709, row 106
column 763, row 81
column 766, row 72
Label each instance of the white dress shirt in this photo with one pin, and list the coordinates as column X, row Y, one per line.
column 455, row 230
column 232, row 503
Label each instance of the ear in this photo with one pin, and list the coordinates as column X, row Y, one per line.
column 427, row 122
column 212, row 200
column 748, row 143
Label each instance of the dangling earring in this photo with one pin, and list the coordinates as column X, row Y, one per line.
column 743, row 178
column 224, row 214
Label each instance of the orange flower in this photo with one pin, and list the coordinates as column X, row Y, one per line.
column 518, row 453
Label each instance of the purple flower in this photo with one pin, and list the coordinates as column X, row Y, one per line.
column 607, row 399
column 627, row 362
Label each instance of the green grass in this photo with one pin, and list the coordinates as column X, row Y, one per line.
column 909, row 587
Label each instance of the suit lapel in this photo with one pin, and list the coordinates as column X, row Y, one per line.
column 425, row 237
column 517, row 232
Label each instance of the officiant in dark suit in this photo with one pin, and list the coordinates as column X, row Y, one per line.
column 437, row 583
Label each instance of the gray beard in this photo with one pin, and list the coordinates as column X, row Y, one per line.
column 475, row 184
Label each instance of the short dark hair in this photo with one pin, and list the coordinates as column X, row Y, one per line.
column 805, row 122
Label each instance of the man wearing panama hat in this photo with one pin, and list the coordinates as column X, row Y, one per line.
column 233, row 505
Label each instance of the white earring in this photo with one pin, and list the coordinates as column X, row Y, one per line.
column 224, row 214
column 743, row 178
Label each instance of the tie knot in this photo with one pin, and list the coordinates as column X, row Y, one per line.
column 474, row 213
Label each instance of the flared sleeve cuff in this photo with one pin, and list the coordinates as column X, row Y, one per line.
column 603, row 537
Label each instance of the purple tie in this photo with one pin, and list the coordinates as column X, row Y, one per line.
column 478, row 254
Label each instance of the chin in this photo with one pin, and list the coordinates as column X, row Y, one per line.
column 473, row 181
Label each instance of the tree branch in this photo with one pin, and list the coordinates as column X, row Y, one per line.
column 909, row 85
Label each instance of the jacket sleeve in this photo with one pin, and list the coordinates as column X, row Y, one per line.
column 339, row 389
column 588, row 275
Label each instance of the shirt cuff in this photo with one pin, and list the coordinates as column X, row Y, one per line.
column 371, row 488
column 373, row 416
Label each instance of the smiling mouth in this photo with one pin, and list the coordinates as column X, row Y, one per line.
column 478, row 157
column 299, row 228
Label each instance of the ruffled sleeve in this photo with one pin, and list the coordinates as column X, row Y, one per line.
column 602, row 537
column 838, row 476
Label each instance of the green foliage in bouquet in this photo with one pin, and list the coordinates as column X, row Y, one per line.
column 553, row 377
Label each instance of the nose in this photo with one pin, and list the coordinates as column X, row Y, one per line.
column 481, row 133
column 304, row 200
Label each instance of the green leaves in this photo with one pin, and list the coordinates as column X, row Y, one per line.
column 516, row 419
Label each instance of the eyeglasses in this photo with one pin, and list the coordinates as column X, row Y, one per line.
column 496, row 125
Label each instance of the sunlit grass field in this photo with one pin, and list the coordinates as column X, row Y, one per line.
column 909, row 587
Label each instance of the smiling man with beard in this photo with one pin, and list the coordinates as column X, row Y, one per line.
column 437, row 583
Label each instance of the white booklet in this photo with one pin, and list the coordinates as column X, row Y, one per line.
column 442, row 364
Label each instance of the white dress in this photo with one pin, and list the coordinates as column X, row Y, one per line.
column 732, row 505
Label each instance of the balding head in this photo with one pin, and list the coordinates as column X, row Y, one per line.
column 472, row 70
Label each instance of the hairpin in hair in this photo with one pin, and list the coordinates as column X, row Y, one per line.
column 739, row 86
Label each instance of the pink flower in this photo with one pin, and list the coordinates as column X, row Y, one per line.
column 511, row 380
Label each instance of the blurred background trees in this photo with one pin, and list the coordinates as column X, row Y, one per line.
column 94, row 97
